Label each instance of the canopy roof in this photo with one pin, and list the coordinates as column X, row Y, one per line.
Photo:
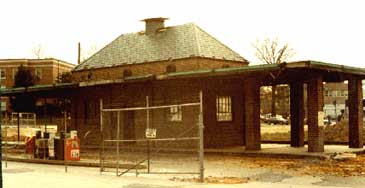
column 269, row 73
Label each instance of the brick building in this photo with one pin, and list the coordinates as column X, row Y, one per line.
column 45, row 70
column 171, row 65
column 335, row 98
column 158, row 50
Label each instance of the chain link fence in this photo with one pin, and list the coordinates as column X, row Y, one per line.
column 164, row 138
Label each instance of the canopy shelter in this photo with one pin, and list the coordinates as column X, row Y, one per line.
column 245, row 82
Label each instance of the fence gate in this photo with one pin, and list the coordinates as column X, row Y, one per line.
column 165, row 139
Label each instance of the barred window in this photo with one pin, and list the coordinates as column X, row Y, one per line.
column 224, row 108
column 15, row 71
column 327, row 93
column 175, row 114
column 334, row 93
column 2, row 74
column 338, row 93
column 38, row 73
column 345, row 93
column 3, row 106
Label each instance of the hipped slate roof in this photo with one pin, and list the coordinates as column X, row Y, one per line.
column 169, row 43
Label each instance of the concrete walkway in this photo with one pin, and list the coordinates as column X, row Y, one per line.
column 268, row 150
column 287, row 151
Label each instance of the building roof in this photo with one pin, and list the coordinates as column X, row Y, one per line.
column 166, row 43
column 37, row 61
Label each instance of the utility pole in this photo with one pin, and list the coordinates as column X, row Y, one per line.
column 78, row 53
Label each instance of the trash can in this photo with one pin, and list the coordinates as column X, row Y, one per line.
column 59, row 148
column 42, row 148
column 30, row 146
column 62, row 134
column 45, row 135
column 38, row 134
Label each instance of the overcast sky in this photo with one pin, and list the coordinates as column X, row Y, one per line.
column 329, row 31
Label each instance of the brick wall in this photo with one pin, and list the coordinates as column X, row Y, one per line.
column 315, row 105
column 217, row 134
column 297, row 114
column 252, row 114
column 355, row 113
column 188, row 64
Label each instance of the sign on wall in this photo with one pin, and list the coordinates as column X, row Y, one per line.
column 151, row 133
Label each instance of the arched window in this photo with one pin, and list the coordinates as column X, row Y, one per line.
column 89, row 76
column 82, row 78
column 127, row 73
column 170, row 68
column 225, row 66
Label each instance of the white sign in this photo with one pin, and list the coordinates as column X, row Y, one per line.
column 150, row 133
column 320, row 118
column 75, row 153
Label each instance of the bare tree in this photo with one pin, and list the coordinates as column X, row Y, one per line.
column 38, row 51
column 91, row 50
column 269, row 51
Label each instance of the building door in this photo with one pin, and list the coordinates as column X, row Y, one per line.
column 128, row 126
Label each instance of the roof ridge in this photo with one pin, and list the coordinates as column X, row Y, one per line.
column 218, row 41
column 197, row 39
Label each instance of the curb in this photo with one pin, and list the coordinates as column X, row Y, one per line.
column 53, row 162
column 71, row 163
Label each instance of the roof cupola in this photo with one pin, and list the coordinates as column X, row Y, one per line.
column 154, row 24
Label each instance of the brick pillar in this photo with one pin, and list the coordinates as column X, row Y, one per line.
column 252, row 115
column 315, row 107
column 296, row 115
column 355, row 113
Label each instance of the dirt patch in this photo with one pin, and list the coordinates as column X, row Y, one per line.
column 351, row 167
column 339, row 132
column 277, row 132
column 215, row 180
column 271, row 177
column 334, row 133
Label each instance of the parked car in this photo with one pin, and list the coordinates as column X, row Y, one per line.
column 263, row 117
column 277, row 120
column 326, row 121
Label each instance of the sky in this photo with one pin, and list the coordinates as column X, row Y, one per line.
column 331, row 31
